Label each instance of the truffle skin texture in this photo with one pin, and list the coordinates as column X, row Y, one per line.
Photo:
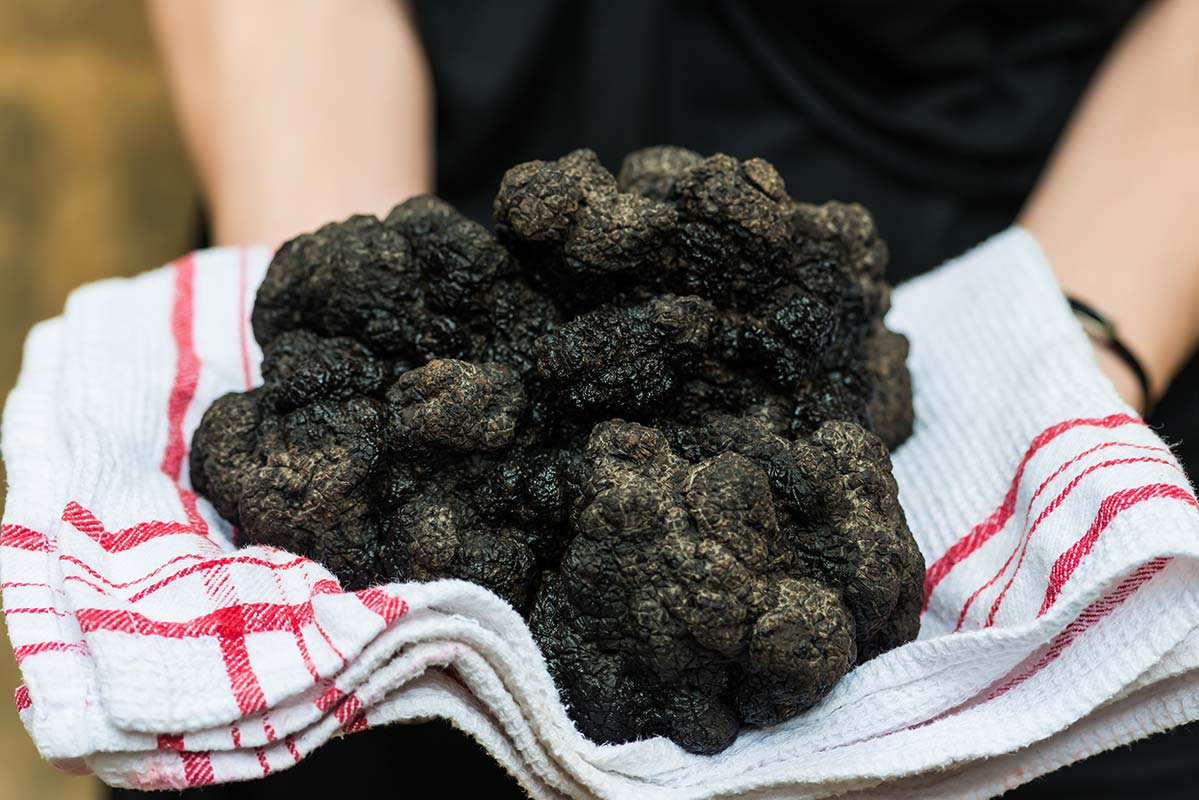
column 626, row 359
column 425, row 283
column 455, row 405
column 734, row 242
column 347, row 279
column 651, row 412
column 436, row 533
column 300, row 367
column 298, row 480
column 890, row 406
column 681, row 608
column 576, row 233
column 653, row 172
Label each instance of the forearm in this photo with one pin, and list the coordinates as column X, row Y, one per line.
column 1117, row 209
column 298, row 112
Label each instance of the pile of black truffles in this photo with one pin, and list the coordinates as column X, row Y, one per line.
column 650, row 411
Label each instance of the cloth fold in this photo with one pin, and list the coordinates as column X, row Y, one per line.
column 1062, row 593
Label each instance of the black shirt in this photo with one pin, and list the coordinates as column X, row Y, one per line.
column 937, row 115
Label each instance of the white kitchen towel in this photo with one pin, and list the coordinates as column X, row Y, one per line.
column 1061, row 536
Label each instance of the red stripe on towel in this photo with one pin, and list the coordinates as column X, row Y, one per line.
column 1111, row 507
column 983, row 531
column 21, row 698
column 1021, row 547
column 19, row 537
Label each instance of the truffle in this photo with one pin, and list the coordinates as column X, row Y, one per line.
column 681, row 606
column 626, row 359
column 650, row 412
column 455, row 405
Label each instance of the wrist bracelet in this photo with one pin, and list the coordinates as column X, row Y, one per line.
column 1102, row 329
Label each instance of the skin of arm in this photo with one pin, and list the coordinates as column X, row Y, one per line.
column 246, row 77
column 1117, row 209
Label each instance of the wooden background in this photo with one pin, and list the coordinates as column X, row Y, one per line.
column 93, row 183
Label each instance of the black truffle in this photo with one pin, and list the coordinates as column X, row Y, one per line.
column 641, row 412
column 681, row 607
column 626, row 359
column 455, row 405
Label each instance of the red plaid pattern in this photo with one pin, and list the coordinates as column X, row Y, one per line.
column 1059, row 532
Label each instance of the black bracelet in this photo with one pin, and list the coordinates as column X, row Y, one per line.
column 1103, row 329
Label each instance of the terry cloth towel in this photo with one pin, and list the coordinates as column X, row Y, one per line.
column 1061, row 536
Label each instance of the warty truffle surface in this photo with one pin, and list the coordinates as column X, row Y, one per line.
column 652, row 412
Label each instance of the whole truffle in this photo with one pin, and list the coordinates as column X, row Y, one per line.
column 650, row 412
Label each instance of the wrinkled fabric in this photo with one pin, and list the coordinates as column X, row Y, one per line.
column 1060, row 533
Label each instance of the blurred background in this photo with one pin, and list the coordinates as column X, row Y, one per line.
column 93, row 183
